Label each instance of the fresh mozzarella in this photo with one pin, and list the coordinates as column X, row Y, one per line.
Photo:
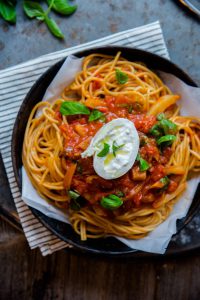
column 122, row 134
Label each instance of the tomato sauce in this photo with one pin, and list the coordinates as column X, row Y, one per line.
column 78, row 134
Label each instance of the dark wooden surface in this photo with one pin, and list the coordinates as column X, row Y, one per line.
column 25, row 274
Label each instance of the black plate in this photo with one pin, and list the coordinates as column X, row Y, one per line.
column 108, row 246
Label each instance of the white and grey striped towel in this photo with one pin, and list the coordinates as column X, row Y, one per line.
column 16, row 81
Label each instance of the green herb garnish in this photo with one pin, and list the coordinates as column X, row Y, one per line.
column 160, row 116
column 62, row 7
column 166, row 140
column 165, row 181
column 33, row 9
column 111, row 202
column 116, row 148
column 7, row 11
column 104, row 151
column 73, row 108
column 143, row 164
column 76, row 200
column 163, row 127
column 121, row 77
column 95, row 115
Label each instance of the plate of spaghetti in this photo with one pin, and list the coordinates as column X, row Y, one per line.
column 112, row 151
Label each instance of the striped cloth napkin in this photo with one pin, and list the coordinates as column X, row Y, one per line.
column 16, row 81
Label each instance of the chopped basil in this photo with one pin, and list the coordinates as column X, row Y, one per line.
column 111, row 202
column 76, row 200
column 95, row 115
column 163, row 127
column 121, row 77
column 143, row 164
column 116, row 148
column 160, row 116
column 165, row 181
column 73, row 108
column 104, row 151
column 130, row 108
column 73, row 195
column 166, row 140
column 168, row 126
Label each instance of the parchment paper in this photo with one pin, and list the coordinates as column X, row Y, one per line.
column 157, row 241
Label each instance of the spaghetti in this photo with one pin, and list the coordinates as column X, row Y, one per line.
column 112, row 87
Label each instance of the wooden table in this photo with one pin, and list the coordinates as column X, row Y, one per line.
column 25, row 274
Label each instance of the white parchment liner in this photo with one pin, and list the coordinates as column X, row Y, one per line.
column 157, row 241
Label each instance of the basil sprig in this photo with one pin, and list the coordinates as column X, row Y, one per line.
column 104, row 151
column 7, row 11
column 111, row 202
column 121, row 77
column 115, row 148
column 34, row 10
column 143, row 164
column 95, row 115
column 73, row 108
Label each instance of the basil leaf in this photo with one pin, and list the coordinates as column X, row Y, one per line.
column 111, row 202
column 168, row 126
column 73, row 195
column 95, row 115
column 76, row 200
column 144, row 166
column 63, row 7
column 73, row 108
column 104, row 151
column 7, row 12
column 166, row 139
column 33, row 10
column 121, row 77
column 116, row 148
column 163, row 127
column 160, row 116
column 53, row 27
column 156, row 130
column 165, row 181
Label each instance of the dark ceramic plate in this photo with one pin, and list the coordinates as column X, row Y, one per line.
column 108, row 246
